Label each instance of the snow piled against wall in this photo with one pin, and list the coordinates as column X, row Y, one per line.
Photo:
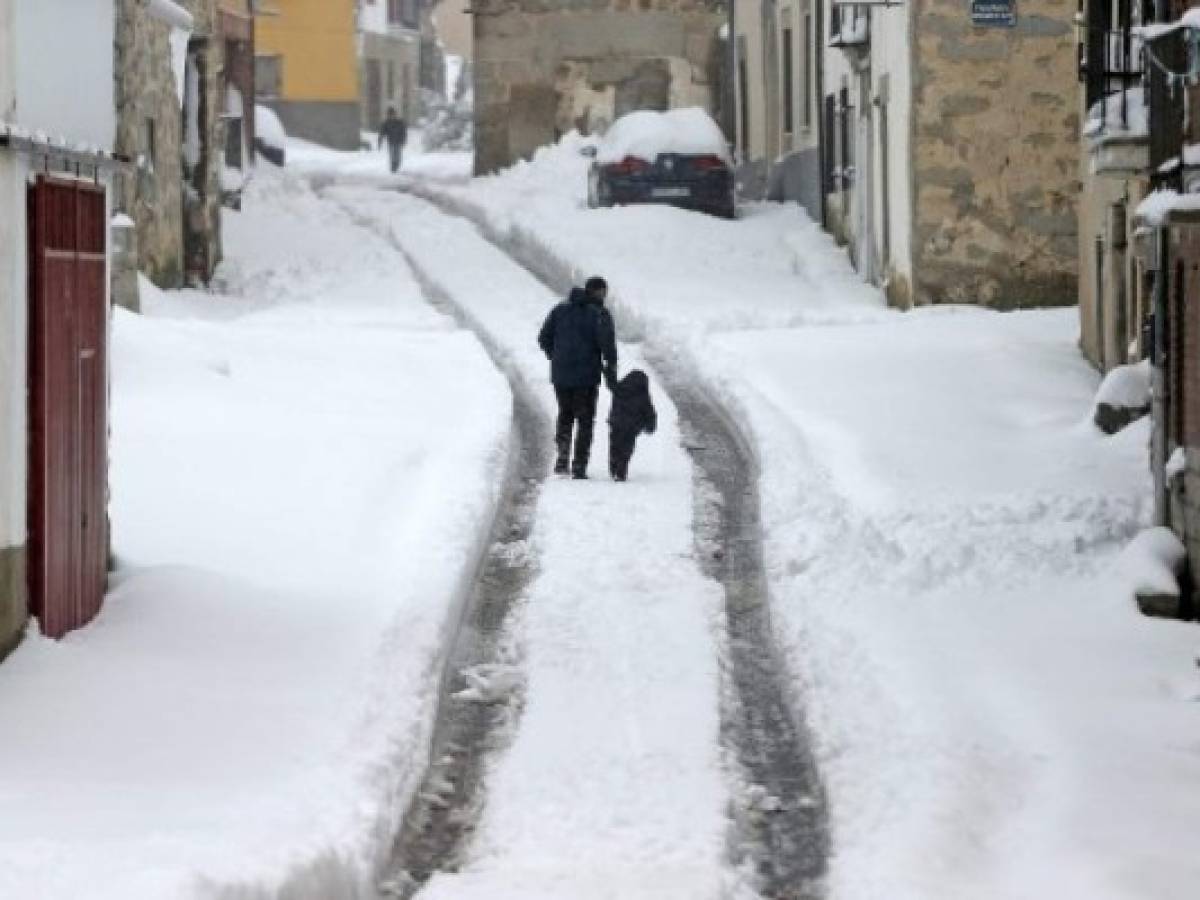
column 304, row 466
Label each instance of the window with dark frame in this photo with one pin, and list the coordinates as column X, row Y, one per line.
column 789, row 93
column 150, row 144
column 268, row 75
column 404, row 13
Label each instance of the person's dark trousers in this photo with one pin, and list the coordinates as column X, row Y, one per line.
column 620, row 451
column 396, row 155
column 576, row 414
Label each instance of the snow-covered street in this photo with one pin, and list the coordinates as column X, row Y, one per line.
column 307, row 464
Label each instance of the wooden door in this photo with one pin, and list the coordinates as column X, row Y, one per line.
column 68, row 462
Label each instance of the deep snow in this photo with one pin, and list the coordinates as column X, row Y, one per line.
column 303, row 466
column 944, row 532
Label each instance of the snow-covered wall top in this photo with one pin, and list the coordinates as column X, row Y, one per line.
column 64, row 69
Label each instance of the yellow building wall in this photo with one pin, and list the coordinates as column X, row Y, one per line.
column 318, row 43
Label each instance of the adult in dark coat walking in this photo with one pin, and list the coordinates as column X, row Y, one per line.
column 394, row 131
column 579, row 340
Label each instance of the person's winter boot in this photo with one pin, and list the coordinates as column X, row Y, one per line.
column 562, row 463
column 579, row 472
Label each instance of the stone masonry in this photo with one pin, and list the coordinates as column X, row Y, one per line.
column 148, row 130
column 996, row 155
column 175, row 207
column 544, row 67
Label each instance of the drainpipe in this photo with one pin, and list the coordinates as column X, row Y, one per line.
column 1158, row 381
column 730, row 88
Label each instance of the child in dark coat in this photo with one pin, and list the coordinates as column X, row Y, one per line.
column 632, row 413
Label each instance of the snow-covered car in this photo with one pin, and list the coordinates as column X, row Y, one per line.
column 679, row 157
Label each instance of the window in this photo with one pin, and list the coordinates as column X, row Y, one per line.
column 149, row 144
column 268, row 76
column 789, row 94
column 806, row 91
column 403, row 13
column 743, row 96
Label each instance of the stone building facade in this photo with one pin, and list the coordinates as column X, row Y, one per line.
column 996, row 154
column 939, row 141
column 544, row 67
column 176, row 135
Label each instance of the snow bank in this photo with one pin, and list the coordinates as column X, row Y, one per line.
column 1152, row 562
column 268, row 128
column 646, row 134
column 1123, row 397
column 304, row 468
column 1127, row 386
column 943, row 543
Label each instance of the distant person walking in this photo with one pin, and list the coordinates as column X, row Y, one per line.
column 395, row 132
column 579, row 340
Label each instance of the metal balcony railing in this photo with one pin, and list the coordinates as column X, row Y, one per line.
column 1111, row 66
column 849, row 25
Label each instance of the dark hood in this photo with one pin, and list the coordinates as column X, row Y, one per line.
column 579, row 295
column 635, row 383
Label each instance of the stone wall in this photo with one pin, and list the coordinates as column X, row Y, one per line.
column 178, row 230
column 146, row 99
column 544, row 67
column 996, row 155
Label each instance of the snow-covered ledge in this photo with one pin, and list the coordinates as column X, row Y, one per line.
column 170, row 12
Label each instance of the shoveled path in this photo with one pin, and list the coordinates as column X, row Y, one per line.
column 613, row 783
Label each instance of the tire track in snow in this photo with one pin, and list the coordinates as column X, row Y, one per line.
column 480, row 696
column 780, row 812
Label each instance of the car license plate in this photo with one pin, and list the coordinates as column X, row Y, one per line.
column 671, row 192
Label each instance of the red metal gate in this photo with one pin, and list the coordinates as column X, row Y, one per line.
column 68, row 462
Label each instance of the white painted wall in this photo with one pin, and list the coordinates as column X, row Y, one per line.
column 892, row 55
column 748, row 18
column 64, row 69
column 6, row 61
column 12, row 311
column 890, row 61
column 13, row 329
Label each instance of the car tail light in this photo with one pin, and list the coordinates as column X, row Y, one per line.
column 630, row 165
column 708, row 163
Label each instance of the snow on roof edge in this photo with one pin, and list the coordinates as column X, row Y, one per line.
column 170, row 12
